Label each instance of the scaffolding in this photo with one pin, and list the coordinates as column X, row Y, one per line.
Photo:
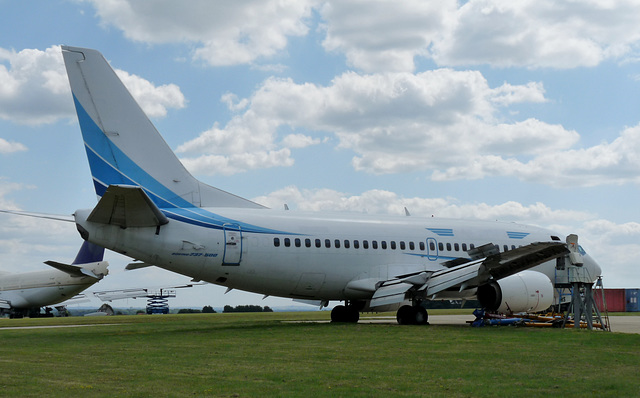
column 583, row 310
column 158, row 301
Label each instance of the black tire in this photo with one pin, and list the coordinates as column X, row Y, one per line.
column 338, row 313
column 352, row 314
column 421, row 317
column 406, row 315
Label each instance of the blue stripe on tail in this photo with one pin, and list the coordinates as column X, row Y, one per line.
column 89, row 253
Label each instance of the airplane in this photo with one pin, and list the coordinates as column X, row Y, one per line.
column 153, row 210
column 25, row 293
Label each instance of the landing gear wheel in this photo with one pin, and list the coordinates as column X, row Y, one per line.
column 405, row 316
column 421, row 317
column 410, row 315
column 347, row 314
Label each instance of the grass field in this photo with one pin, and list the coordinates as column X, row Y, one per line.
column 249, row 355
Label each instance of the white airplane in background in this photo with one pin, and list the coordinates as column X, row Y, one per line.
column 153, row 210
column 25, row 293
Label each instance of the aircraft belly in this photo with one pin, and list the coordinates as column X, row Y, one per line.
column 43, row 296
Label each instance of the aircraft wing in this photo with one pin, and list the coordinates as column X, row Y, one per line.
column 121, row 294
column 468, row 275
column 110, row 295
column 127, row 206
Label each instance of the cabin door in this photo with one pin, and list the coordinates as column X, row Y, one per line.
column 432, row 249
column 233, row 244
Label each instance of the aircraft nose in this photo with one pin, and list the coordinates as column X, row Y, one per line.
column 593, row 267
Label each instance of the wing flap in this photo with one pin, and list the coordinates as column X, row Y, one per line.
column 127, row 206
column 391, row 292
column 513, row 261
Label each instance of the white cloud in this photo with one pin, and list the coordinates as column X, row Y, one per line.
column 444, row 122
column 299, row 141
column 237, row 163
column 225, row 33
column 389, row 36
column 10, row 146
column 440, row 120
column 386, row 202
column 386, row 36
column 617, row 163
column 34, row 89
column 154, row 100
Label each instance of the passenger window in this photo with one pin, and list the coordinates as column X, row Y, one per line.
column 432, row 246
column 276, row 242
column 346, row 244
column 307, row 242
column 513, row 247
column 318, row 243
column 383, row 245
column 393, row 245
column 403, row 246
column 448, row 247
column 472, row 246
column 337, row 243
column 356, row 244
column 374, row 244
column 365, row 244
column 440, row 247
column 287, row 242
column 464, row 247
column 456, row 247
column 327, row 243
column 506, row 248
column 297, row 241
column 422, row 246
column 412, row 246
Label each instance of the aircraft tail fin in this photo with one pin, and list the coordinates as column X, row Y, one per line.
column 124, row 147
column 89, row 253
column 88, row 262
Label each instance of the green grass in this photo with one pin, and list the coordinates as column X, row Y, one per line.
column 246, row 355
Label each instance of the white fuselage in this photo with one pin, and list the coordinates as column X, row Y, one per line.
column 307, row 255
column 43, row 288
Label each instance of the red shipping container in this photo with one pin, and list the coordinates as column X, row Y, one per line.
column 616, row 299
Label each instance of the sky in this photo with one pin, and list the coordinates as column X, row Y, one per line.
column 523, row 111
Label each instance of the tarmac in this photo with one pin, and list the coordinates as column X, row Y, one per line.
column 620, row 324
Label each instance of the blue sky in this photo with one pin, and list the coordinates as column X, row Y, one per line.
column 498, row 110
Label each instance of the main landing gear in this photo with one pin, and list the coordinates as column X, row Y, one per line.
column 412, row 315
column 349, row 313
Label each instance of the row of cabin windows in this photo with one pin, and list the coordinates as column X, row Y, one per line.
column 337, row 243
column 356, row 244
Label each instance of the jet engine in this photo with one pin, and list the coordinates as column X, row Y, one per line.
column 526, row 291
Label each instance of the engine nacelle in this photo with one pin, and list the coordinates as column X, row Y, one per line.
column 526, row 291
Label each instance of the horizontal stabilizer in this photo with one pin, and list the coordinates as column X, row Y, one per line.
column 56, row 217
column 72, row 270
column 132, row 266
column 127, row 206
